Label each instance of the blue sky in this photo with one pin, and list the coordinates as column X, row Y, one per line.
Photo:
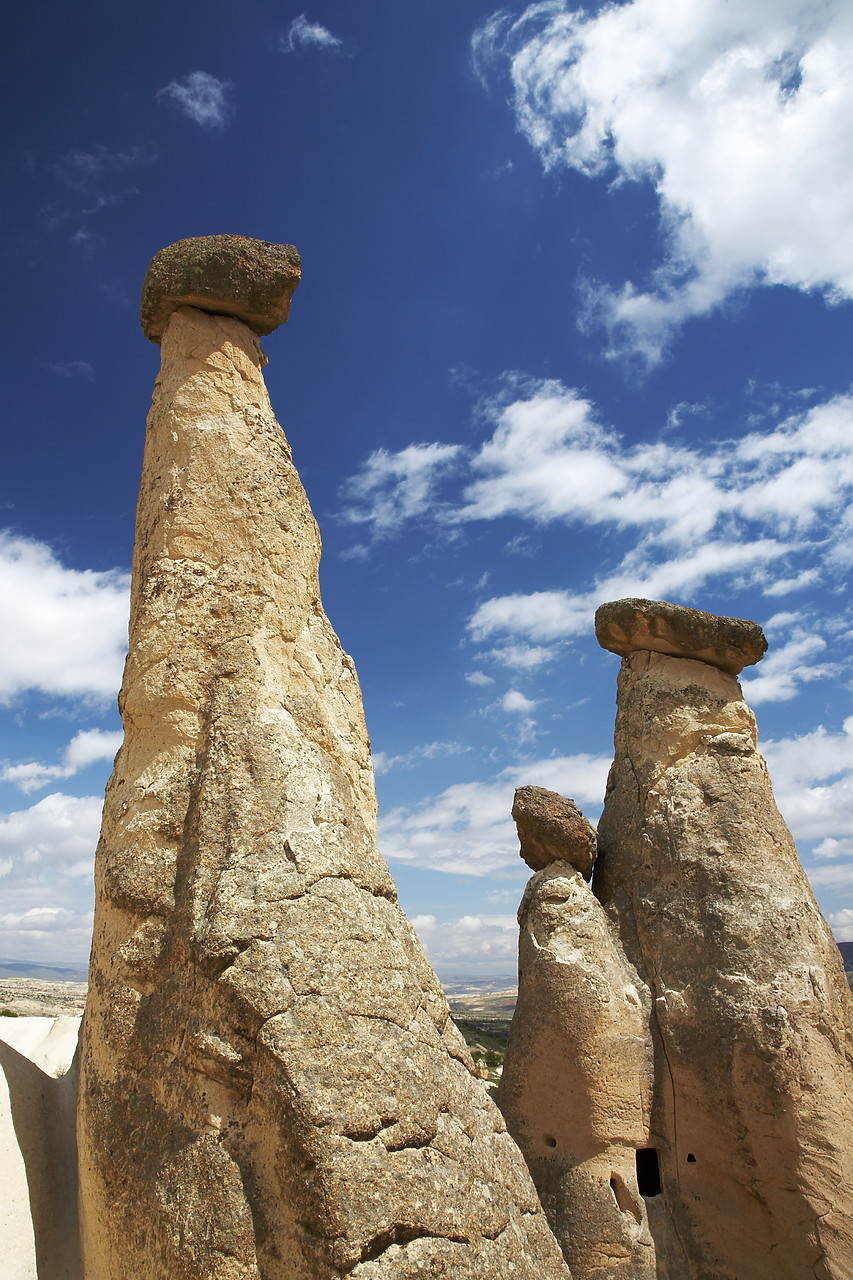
column 575, row 323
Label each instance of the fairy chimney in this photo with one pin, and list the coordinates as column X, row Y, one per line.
column 692, row 1009
column 270, row 1081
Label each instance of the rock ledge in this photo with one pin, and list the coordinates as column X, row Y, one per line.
column 624, row 626
column 253, row 280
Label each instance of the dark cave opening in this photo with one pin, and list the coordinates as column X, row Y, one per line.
column 648, row 1172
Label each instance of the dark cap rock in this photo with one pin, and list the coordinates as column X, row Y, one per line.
column 253, row 280
column 552, row 828
column 624, row 626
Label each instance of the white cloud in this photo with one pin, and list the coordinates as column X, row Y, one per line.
column 739, row 116
column 838, row 877
column 769, row 510
column 812, row 776
column 201, row 97
column 46, row 862
column 516, row 702
column 469, row 942
column 550, row 459
column 830, row 848
column 394, row 487
column 54, row 838
column 85, row 748
column 302, row 34
column 554, row 615
column 467, row 829
column 522, row 657
column 841, row 923
column 47, row 934
column 64, row 630
column 541, row 615
column 478, row 678
column 39, row 921
column 383, row 763
column 784, row 670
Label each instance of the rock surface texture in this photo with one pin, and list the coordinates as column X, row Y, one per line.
column 577, row 1082
column 271, row 1085
column 552, row 828
column 252, row 280
column 736, row 1082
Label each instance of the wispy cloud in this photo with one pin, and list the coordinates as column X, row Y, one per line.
column 64, row 630
column 85, row 748
column 383, row 763
column 537, row 615
column 785, row 668
column 73, row 369
column 738, row 116
column 392, row 488
column 80, row 170
column 769, row 510
column 469, row 942
column 550, row 459
column 522, row 657
column 302, row 34
column 467, row 829
column 92, row 181
column 202, row 97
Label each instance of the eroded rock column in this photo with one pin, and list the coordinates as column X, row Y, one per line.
column 270, row 1082
column 577, row 1083
column 751, row 1014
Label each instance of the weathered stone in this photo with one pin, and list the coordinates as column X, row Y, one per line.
column 552, row 828
column 752, row 1018
column 253, row 280
column 576, row 1089
column 626, row 626
column 271, row 1085
column 679, row 1073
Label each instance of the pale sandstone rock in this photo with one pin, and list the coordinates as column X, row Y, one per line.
column 688, row 1028
column 270, row 1082
column 552, row 828
column 752, row 1015
column 625, row 626
column 577, row 1083
column 253, row 280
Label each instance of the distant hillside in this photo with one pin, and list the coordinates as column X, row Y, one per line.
column 457, row 988
column 43, row 972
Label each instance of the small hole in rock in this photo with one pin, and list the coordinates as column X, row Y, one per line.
column 550, row 1141
column 624, row 1199
column 691, row 1159
column 648, row 1172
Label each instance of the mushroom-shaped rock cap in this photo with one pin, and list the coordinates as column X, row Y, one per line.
column 623, row 626
column 552, row 828
column 230, row 275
